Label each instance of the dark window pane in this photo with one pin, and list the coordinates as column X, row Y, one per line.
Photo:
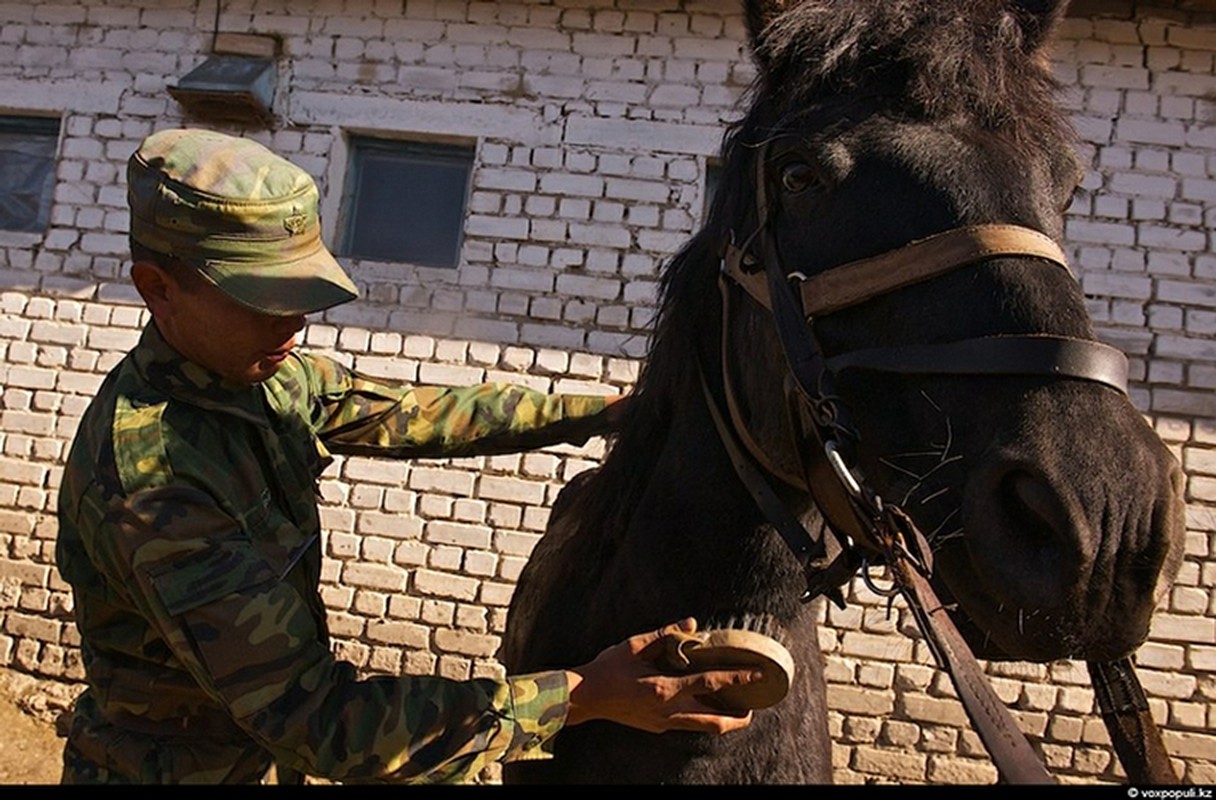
column 406, row 202
column 27, row 172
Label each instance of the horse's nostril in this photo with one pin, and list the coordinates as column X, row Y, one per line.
column 1032, row 505
column 1023, row 538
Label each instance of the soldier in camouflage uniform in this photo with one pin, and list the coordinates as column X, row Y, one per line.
column 188, row 524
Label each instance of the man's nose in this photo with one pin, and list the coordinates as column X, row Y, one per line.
column 290, row 325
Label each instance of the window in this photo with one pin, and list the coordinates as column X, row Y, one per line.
column 405, row 201
column 27, row 172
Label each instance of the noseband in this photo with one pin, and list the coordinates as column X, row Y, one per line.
column 867, row 528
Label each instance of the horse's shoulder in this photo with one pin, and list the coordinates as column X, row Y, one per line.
column 553, row 587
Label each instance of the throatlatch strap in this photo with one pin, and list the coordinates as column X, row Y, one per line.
column 805, row 548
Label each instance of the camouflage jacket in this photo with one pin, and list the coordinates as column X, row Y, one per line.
column 189, row 531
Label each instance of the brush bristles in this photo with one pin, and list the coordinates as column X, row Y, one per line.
column 765, row 624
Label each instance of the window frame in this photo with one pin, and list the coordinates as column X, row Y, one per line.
column 417, row 151
column 45, row 127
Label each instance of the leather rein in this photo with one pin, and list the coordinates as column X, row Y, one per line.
column 868, row 529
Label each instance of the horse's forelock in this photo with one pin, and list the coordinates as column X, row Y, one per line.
column 941, row 59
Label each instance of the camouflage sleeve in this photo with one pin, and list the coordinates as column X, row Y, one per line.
column 250, row 640
column 359, row 415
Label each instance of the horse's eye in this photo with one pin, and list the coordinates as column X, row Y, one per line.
column 797, row 176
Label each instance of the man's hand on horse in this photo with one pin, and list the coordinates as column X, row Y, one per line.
column 623, row 684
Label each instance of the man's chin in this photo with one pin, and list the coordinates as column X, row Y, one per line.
column 264, row 370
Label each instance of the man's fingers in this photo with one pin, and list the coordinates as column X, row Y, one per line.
column 718, row 679
column 710, row 721
column 686, row 625
column 617, row 409
column 647, row 641
column 627, row 684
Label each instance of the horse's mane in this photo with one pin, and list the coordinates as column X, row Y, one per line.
column 908, row 51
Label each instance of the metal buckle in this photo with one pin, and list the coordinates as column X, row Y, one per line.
column 831, row 449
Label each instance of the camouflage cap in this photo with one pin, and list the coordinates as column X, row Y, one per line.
column 243, row 216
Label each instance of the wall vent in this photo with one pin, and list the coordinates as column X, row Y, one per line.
column 229, row 87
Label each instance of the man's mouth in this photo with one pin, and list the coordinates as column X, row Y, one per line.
column 283, row 349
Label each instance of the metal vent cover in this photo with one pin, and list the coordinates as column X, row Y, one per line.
column 228, row 87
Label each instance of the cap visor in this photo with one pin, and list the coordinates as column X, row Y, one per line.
column 313, row 283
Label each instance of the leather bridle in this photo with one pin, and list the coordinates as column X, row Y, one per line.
column 868, row 529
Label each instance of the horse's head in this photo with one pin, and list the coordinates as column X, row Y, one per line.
column 1053, row 509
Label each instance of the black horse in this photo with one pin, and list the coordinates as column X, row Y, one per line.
column 1053, row 512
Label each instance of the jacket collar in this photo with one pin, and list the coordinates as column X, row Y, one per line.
column 170, row 373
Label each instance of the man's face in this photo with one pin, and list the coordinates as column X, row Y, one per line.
column 214, row 331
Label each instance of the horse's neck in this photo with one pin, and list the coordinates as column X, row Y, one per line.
column 696, row 524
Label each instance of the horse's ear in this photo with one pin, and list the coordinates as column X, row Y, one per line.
column 1039, row 19
column 759, row 14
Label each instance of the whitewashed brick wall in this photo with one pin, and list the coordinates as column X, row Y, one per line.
column 592, row 121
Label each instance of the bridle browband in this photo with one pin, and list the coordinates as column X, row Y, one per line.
column 867, row 528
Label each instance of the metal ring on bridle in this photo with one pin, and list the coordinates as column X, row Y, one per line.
column 869, row 582
column 841, row 469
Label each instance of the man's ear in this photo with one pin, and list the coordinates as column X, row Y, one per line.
column 155, row 286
